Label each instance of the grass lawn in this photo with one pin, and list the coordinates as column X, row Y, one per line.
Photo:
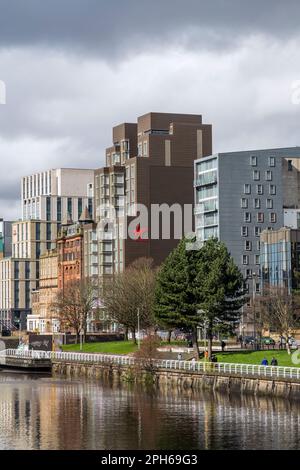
column 111, row 347
column 255, row 357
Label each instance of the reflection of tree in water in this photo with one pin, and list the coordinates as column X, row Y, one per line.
column 64, row 414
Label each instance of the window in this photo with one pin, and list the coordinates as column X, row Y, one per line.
column 48, row 208
column 271, row 161
column 260, row 217
column 269, row 203
column 258, row 245
column 247, row 188
column 256, row 175
column 27, row 294
column 290, row 165
column 256, row 203
column 253, row 160
column 145, row 149
column 38, row 231
column 272, row 189
column 70, row 207
column 257, row 287
column 17, row 269
column 48, row 232
column 27, row 270
column 245, row 259
column 140, row 149
column 38, row 250
column 244, row 203
column 257, row 259
column 268, row 175
column 206, row 192
column 257, row 231
column 248, row 245
column 79, row 207
column 247, row 217
column 273, row 217
column 259, row 189
column 58, row 209
column 90, row 206
column 17, row 293
column 244, row 231
column 248, row 273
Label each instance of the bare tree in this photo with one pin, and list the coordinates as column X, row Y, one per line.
column 148, row 354
column 75, row 304
column 280, row 311
column 131, row 293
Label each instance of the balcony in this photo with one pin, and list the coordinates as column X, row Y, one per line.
column 206, row 179
column 206, row 206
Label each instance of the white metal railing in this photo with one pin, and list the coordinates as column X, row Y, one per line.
column 192, row 366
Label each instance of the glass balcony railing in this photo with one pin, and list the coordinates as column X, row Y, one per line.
column 210, row 205
column 206, row 178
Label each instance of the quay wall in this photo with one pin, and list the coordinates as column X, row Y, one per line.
column 285, row 388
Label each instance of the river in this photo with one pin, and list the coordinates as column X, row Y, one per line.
column 55, row 413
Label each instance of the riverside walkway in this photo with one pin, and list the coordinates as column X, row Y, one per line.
column 13, row 358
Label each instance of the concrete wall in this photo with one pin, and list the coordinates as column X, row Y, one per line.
column 187, row 380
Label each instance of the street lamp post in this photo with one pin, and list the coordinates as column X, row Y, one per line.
column 138, row 318
column 254, row 281
column 205, row 335
column 20, row 330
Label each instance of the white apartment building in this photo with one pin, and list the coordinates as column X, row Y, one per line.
column 32, row 238
column 53, row 195
column 18, row 277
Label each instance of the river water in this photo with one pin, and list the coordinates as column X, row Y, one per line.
column 56, row 413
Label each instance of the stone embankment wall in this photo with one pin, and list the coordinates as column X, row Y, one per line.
column 183, row 379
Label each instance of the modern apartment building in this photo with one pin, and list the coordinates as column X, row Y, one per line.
column 43, row 319
column 18, row 277
column 280, row 258
column 150, row 163
column 48, row 199
column 90, row 251
column 5, row 238
column 32, row 238
column 54, row 195
column 240, row 194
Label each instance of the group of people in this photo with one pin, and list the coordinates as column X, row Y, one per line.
column 273, row 362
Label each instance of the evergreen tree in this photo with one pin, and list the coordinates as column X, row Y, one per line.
column 220, row 289
column 197, row 287
column 175, row 302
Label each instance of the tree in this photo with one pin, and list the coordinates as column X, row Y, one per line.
column 219, row 288
column 280, row 311
column 199, row 288
column 130, row 294
column 148, row 353
column 75, row 304
column 175, row 300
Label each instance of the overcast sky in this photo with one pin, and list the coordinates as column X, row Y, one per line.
column 75, row 68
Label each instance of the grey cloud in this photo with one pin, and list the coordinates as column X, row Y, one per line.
column 110, row 28
column 64, row 94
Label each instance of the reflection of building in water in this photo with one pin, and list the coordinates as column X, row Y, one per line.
column 28, row 415
column 64, row 414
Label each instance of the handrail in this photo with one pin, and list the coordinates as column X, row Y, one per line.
column 169, row 364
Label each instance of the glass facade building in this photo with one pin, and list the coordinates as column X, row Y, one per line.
column 206, row 209
column 280, row 258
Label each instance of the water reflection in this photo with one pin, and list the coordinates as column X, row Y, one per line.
column 47, row 413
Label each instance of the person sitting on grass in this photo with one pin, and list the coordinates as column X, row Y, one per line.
column 264, row 362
